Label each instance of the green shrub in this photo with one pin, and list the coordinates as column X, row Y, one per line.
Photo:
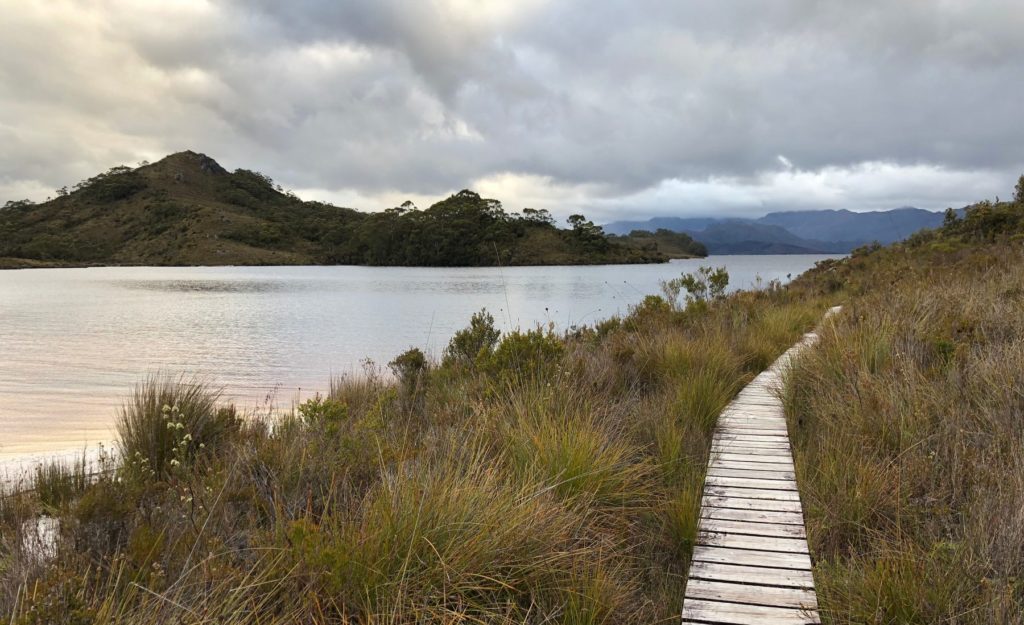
column 527, row 354
column 474, row 343
column 323, row 413
column 704, row 285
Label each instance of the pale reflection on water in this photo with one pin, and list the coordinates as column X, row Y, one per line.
column 74, row 341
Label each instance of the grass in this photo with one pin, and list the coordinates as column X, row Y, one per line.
column 533, row 477
column 908, row 427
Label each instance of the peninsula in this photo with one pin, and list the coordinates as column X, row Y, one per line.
column 188, row 210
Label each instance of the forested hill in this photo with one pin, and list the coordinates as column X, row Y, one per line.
column 188, row 210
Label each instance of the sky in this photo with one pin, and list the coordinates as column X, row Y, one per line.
column 620, row 109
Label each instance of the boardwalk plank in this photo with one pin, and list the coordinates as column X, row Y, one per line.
column 758, row 516
column 760, row 440
column 743, row 541
column 718, row 470
column 746, row 482
column 733, row 457
column 751, row 557
column 744, row 503
column 751, row 575
column 703, row 611
column 779, row 530
column 757, row 467
column 737, row 448
column 744, row 593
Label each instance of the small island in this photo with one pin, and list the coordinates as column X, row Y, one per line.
column 187, row 210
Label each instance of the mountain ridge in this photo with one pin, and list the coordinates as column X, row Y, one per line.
column 794, row 232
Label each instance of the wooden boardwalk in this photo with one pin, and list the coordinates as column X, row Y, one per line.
column 751, row 563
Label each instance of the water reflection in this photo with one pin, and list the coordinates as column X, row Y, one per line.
column 73, row 341
column 212, row 286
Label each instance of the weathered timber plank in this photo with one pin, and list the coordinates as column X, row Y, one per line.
column 761, row 467
column 703, row 611
column 745, row 482
column 748, row 483
column 718, row 470
column 751, row 557
column 763, row 452
column 745, row 503
column 761, row 543
column 743, row 593
column 751, row 441
column 741, row 447
column 779, row 530
column 729, row 437
column 752, row 493
column 751, row 575
column 756, row 516
column 752, row 458
column 755, row 428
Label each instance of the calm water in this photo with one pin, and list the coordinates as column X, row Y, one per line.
column 74, row 341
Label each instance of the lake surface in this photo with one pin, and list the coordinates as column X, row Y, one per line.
column 74, row 341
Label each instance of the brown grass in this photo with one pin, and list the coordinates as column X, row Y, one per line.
column 551, row 479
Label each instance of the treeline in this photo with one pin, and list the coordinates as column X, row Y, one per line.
column 462, row 230
column 187, row 210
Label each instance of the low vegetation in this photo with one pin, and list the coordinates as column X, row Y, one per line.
column 908, row 427
column 527, row 477
column 188, row 210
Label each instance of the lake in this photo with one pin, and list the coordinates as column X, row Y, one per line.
column 74, row 341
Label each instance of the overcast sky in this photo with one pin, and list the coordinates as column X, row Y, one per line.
column 622, row 109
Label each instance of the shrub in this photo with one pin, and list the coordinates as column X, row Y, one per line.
column 471, row 344
column 527, row 354
column 704, row 285
column 323, row 413
column 411, row 368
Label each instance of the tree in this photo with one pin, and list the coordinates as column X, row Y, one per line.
column 538, row 217
column 589, row 235
column 1018, row 193
column 584, row 227
column 950, row 218
column 17, row 204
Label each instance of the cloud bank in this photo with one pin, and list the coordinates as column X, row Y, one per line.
column 616, row 108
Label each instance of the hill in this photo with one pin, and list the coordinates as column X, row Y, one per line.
column 667, row 242
column 794, row 232
column 842, row 225
column 188, row 210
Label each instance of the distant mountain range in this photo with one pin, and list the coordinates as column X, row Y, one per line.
column 793, row 232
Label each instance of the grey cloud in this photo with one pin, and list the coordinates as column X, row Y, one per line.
column 614, row 106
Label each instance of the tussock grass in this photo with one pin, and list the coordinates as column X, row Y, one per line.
column 529, row 478
column 153, row 423
column 57, row 482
